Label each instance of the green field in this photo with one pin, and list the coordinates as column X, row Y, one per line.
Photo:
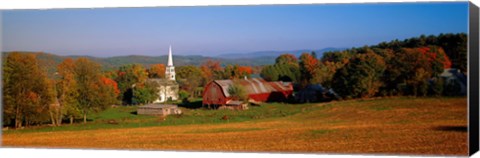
column 126, row 117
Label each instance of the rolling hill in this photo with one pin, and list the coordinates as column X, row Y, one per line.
column 274, row 54
column 50, row 61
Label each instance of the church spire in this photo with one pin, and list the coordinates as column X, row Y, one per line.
column 170, row 69
column 170, row 60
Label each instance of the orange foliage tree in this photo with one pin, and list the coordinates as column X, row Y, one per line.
column 27, row 92
column 211, row 70
column 128, row 76
column 436, row 55
column 93, row 94
column 112, row 84
column 309, row 68
column 156, row 71
column 66, row 86
column 286, row 59
column 245, row 70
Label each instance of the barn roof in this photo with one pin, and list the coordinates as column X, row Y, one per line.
column 255, row 86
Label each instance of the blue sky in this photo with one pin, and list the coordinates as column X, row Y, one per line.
column 217, row 30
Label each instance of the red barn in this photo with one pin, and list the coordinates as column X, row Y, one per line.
column 216, row 92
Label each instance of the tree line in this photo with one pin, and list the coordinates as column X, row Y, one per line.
column 33, row 95
column 409, row 67
column 75, row 90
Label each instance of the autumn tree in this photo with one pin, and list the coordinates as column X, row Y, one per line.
column 67, row 93
column 211, row 70
column 270, row 73
column 145, row 93
column 309, row 68
column 361, row 77
column 229, row 72
column 281, row 72
column 236, row 72
column 286, row 59
column 285, row 69
column 454, row 45
column 109, row 86
column 407, row 70
column 245, row 71
column 156, row 71
column 420, row 65
column 128, row 76
column 189, row 78
column 93, row 94
column 330, row 63
column 27, row 92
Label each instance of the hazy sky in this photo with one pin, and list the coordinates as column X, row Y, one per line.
column 224, row 29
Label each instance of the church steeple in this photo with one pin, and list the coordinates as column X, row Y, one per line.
column 170, row 69
column 170, row 60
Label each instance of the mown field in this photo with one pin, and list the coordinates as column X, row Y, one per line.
column 432, row 126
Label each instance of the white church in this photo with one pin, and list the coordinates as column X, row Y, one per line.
column 168, row 86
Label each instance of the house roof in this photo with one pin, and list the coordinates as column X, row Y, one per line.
column 159, row 106
column 255, row 86
column 234, row 102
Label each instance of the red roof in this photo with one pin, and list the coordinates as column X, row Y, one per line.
column 255, row 86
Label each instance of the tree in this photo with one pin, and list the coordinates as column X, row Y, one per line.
column 309, row 68
column 281, row 72
column 361, row 77
column 437, row 87
column 437, row 58
column 93, row 94
column 156, row 71
column 409, row 70
column 211, row 70
column 145, row 93
column 286, row 59
column 245, row 71
column 337, row 57
column 109, row 86
column 326, row 72
column 128, row 76
column 269, row 73
column 236, row 72
column 286, row 69
column 454, row 45
column 238, row 92
column 67, row 92
column 111, row 83
column 27, row 92
column 190, row 77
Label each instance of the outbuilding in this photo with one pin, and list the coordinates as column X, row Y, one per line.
column 216, row 93
column 315, row 93
column 158, row 109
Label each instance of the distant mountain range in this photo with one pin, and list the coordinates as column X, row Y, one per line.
column 247, row 59
column 274, row 54
column 50, row 61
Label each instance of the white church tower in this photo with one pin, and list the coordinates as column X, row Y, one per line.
column 170, row 69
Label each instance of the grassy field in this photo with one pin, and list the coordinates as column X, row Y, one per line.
column 433, row 126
